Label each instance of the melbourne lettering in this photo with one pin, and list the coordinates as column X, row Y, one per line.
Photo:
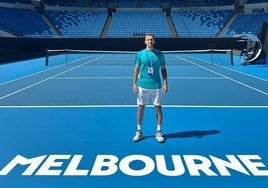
column 108, row 165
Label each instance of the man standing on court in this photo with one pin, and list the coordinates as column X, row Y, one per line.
column 149, row 63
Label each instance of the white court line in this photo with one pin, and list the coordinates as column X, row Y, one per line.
column 197, row 77
column 233, row 70
column 27, row 87
column 134, row 106
column 241, row 83
column 91, row 77
column 129, row 77
column 245, row 74
column 29, row 75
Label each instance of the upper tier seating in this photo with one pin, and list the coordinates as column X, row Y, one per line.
column 198, row 3
column 24, row 23
column 126, row 24
column 145, row 3
column 78, row 23
column 246, row 24
column 17, row 1
column 78, row 3
column 200, row 23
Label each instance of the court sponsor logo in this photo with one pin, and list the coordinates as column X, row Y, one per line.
column 107, row 165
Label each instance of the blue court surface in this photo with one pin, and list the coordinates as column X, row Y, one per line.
column 71, row 124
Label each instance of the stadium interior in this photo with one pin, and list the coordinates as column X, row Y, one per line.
column 108, row 19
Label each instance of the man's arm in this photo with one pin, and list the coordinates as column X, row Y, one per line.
column 165, row 81
column 135, row 77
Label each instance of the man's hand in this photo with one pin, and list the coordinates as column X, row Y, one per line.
column 134, row 88
column 164, row 88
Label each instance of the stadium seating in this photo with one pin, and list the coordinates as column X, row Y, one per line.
column 125, row 24
column 246, row 24
column 62, row 3
column 78, row 3
column 18, row 1
column 70, row 20
column 200, row 23
column 24, row 23
column 256, row 1
column 78, row 23
column 145, row 3
column 126, row 4
column 198, row 3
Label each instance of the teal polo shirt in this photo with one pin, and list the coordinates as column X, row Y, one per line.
column 153, row 60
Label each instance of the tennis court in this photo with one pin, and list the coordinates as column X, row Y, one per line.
column 71, row 123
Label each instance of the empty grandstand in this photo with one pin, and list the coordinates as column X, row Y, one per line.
column 200, row 23
column 94, row 19
column 23, row 22
column 121, row 19
column 127, row 24
column 78, row 23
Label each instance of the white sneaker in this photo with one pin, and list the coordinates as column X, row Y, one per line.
column 138, row 136
column 159, row 137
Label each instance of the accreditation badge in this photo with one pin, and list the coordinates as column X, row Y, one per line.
column 150, row 71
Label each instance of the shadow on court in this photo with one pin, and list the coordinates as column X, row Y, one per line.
column 187, row 134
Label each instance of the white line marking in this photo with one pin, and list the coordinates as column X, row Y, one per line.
column 13, row 93
column 233, row 70
column 132, row 106
column 241, row 83
column 29, row 75
column 197, row 77
column 41, row 71
column 128, row 77
column 245, row 74
column 87, row 78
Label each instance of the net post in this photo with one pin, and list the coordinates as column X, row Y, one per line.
column 232, row 57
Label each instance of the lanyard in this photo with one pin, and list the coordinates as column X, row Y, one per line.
column 149, row 61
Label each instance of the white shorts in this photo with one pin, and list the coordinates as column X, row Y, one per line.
column 145, row 95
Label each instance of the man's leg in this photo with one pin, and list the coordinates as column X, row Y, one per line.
column 159, row 115
column 159, row 119
column 140, row 113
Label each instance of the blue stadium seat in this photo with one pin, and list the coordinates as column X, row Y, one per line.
column 78, row 23
column 256, row 1
column 200, row 23
column 126, row 4
column 23, row 23
column 17, row 1
column 246, row 24
column 79, row 3
column 198, row 3
column 126, row 24
column 26, row 22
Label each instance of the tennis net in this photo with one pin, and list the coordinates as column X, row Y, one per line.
column 71, row 57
